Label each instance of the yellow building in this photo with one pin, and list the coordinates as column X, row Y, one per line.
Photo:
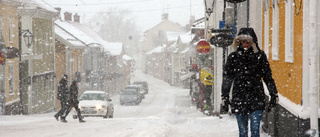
column 285, row 39
column 9, row 70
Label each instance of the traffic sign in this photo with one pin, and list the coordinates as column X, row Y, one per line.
column 203, row 47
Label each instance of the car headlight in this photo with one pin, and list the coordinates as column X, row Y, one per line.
column 98, row 107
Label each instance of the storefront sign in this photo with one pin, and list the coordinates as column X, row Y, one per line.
column 206, row 77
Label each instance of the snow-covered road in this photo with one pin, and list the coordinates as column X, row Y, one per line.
column 165, row 112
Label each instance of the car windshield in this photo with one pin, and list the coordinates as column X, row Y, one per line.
column 130, row 92
column 92, row 96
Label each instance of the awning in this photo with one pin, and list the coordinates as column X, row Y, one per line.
column 186, row 76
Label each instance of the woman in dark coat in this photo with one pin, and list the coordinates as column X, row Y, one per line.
column 73, row 100
column 63, row 91
column 244, row 71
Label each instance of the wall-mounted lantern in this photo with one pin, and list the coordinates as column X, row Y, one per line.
column 27, row 36
column 209, row 6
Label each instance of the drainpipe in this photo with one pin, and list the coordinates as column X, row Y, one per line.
column 313, row 69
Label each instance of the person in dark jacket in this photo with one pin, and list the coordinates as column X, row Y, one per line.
column 73, row 100
column 244, row 71
column 62, row 96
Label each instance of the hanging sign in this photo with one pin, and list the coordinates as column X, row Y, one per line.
column 203, row 47
column 235, row 1
column 221, row 40
column 206, row 77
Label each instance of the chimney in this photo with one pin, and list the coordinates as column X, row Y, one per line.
column 76, row 18
column 59, row 11
column 67, row 16
column 165, row 16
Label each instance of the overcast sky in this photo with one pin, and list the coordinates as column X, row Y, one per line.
column 147, row 12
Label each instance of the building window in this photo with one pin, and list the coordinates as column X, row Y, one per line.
column 10, row 30
column 275, row 30
column 35, row 89
column 289, row 32
column 2, row 26
column 266, row 27
column 10, row 78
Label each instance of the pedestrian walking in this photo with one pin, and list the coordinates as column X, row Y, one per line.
column 62, row 95
column 73, row 101
column 244, row 71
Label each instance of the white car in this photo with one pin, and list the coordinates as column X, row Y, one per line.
column 93, row 103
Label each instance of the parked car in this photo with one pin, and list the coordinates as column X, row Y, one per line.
column 131, row 95
column 144, row 84
column 93, row 103
column 139, row 87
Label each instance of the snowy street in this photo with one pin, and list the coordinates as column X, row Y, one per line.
column 165, row 112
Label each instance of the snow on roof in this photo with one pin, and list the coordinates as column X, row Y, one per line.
column 126, row 57
column 115, row 48
column 67, row 37
column 35, row 4
column 187, row 37
column 157, row 49
column 185, row 50
column 74, row 31
column 200, row 23
column 173, row 35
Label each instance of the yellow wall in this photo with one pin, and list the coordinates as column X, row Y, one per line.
column 288, row 76
column 9, row 12
column 60, row 67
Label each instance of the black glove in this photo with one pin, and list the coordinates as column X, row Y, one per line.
column 273, row 102
column 226, row 103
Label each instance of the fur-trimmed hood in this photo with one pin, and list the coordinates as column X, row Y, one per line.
column 237, row 41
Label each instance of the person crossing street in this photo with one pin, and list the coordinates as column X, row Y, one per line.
column 73, row 101
column 62, row 96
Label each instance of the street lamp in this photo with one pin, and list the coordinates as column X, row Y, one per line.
column 27, row 36
column 209, row 6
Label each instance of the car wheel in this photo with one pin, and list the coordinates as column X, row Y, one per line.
column 105, row 117
column 75, row 117
column 111, row 116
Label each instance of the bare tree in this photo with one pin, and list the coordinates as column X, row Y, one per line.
column 117, row 25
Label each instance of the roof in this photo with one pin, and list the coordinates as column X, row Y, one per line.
column 36, row 4
column 115, row 48
column 126, row 57
column 157, row 49
column 187, row 37
column 75, row 32
column 173, row 35
column 66, row 38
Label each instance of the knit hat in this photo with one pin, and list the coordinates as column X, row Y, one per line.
column 65, row 76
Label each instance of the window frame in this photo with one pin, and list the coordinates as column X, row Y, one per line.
column 275, row 30
column 289, row 46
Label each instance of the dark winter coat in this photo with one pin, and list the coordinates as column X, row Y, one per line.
column 73, row 98
column 244, row 72
column 63, row 90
